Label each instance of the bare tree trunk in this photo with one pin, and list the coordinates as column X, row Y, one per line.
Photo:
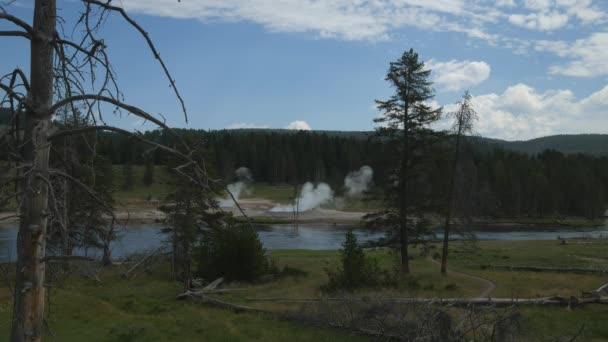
column 28, row 309
column 450, row 205
column 403, row 196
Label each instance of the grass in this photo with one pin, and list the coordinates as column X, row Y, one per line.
column 280, row 193
column 139, row 193
column 534, row 253
column 144, row 308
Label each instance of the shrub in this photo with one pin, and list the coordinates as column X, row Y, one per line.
column 234, row 252
column 356, row 269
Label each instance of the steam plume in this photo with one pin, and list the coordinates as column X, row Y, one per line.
column 310, row 197
column 244, row 179
column 358, row 181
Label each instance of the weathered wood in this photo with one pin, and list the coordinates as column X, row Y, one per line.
column 28, row 305
column 456, row 302
column 65, row 258
column 214, row 284
column 198, row 297
column 546, row 269
column 126, row 274
column 602, row 291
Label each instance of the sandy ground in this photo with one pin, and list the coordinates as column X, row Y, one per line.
column 253, row 207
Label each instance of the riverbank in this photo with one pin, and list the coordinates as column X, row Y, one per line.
column 260, row 210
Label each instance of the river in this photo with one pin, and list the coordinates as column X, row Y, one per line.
column 139, row 238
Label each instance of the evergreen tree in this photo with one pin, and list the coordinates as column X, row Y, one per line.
column 404, row 123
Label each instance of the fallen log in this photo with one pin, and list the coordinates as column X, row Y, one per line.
column 51, row 258
column 206, row 292
column 602, row 291
column 198, row 297
column 143, row 261
column 456, row 302
column 214, row 284
column 545, row 269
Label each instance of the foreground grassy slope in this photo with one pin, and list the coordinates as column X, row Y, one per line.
column 144, row 308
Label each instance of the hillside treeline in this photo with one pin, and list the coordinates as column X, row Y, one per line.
column 504, row 183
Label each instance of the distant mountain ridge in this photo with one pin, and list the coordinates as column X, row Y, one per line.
column 593, row 144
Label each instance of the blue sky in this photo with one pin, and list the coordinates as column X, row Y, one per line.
column 535, row 67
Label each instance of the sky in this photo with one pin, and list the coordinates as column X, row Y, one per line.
column 534, row 67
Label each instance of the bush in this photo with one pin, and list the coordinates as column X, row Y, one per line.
column 356, row 270
column 233, row 252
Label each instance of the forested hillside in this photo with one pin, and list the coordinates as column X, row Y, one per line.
column 505, row 183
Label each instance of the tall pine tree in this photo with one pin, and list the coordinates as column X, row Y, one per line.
column 404, row 124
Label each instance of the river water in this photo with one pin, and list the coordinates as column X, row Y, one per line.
column 139, row 238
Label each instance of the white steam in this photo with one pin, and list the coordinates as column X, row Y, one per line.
column 356, row 182
column 311, row 197
column 237, row 188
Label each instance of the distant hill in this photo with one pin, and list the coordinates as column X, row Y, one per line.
column 594, row 144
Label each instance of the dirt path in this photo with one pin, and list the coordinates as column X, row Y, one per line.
column 490, row 285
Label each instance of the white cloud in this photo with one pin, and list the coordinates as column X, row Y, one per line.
column 505, row 3
column 521, row 112
column 458, row 75
column 299, row 125
column 549, row 15
column 342, row 19
column 589, row 56
column 540, row 21
column 538, row 4
column 583, row 10
column 243, row 125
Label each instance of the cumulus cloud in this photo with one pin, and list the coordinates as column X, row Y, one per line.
column 589, row 56
column 522, row 112
column 505, row 3
column 540, row 21
column 342, row 19
column 458, row 75
column 243, row 125
column 299, row 125
column 549, row 15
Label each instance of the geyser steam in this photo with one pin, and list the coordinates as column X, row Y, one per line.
column 310, row 197
column 244, row 178
column 358, row 181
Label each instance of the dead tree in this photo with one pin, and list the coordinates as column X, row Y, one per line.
column 464, row 118
column 67, row 72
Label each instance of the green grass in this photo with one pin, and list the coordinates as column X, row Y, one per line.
column 139, row 192
column 145, row 309
column 280, row 193
column 534, row 253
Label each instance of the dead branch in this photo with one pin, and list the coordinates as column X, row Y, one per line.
column 142, row 261
column 214, row 284
column 15, row 34
column 124, row 14
column 66, row 133
column 455, row 302
column 545, row 269
column 65, row 258
column 17, row 22
column 201, row 298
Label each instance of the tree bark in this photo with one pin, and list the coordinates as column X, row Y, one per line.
column 450, row 201
column 403, row 195
column 28, row 308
